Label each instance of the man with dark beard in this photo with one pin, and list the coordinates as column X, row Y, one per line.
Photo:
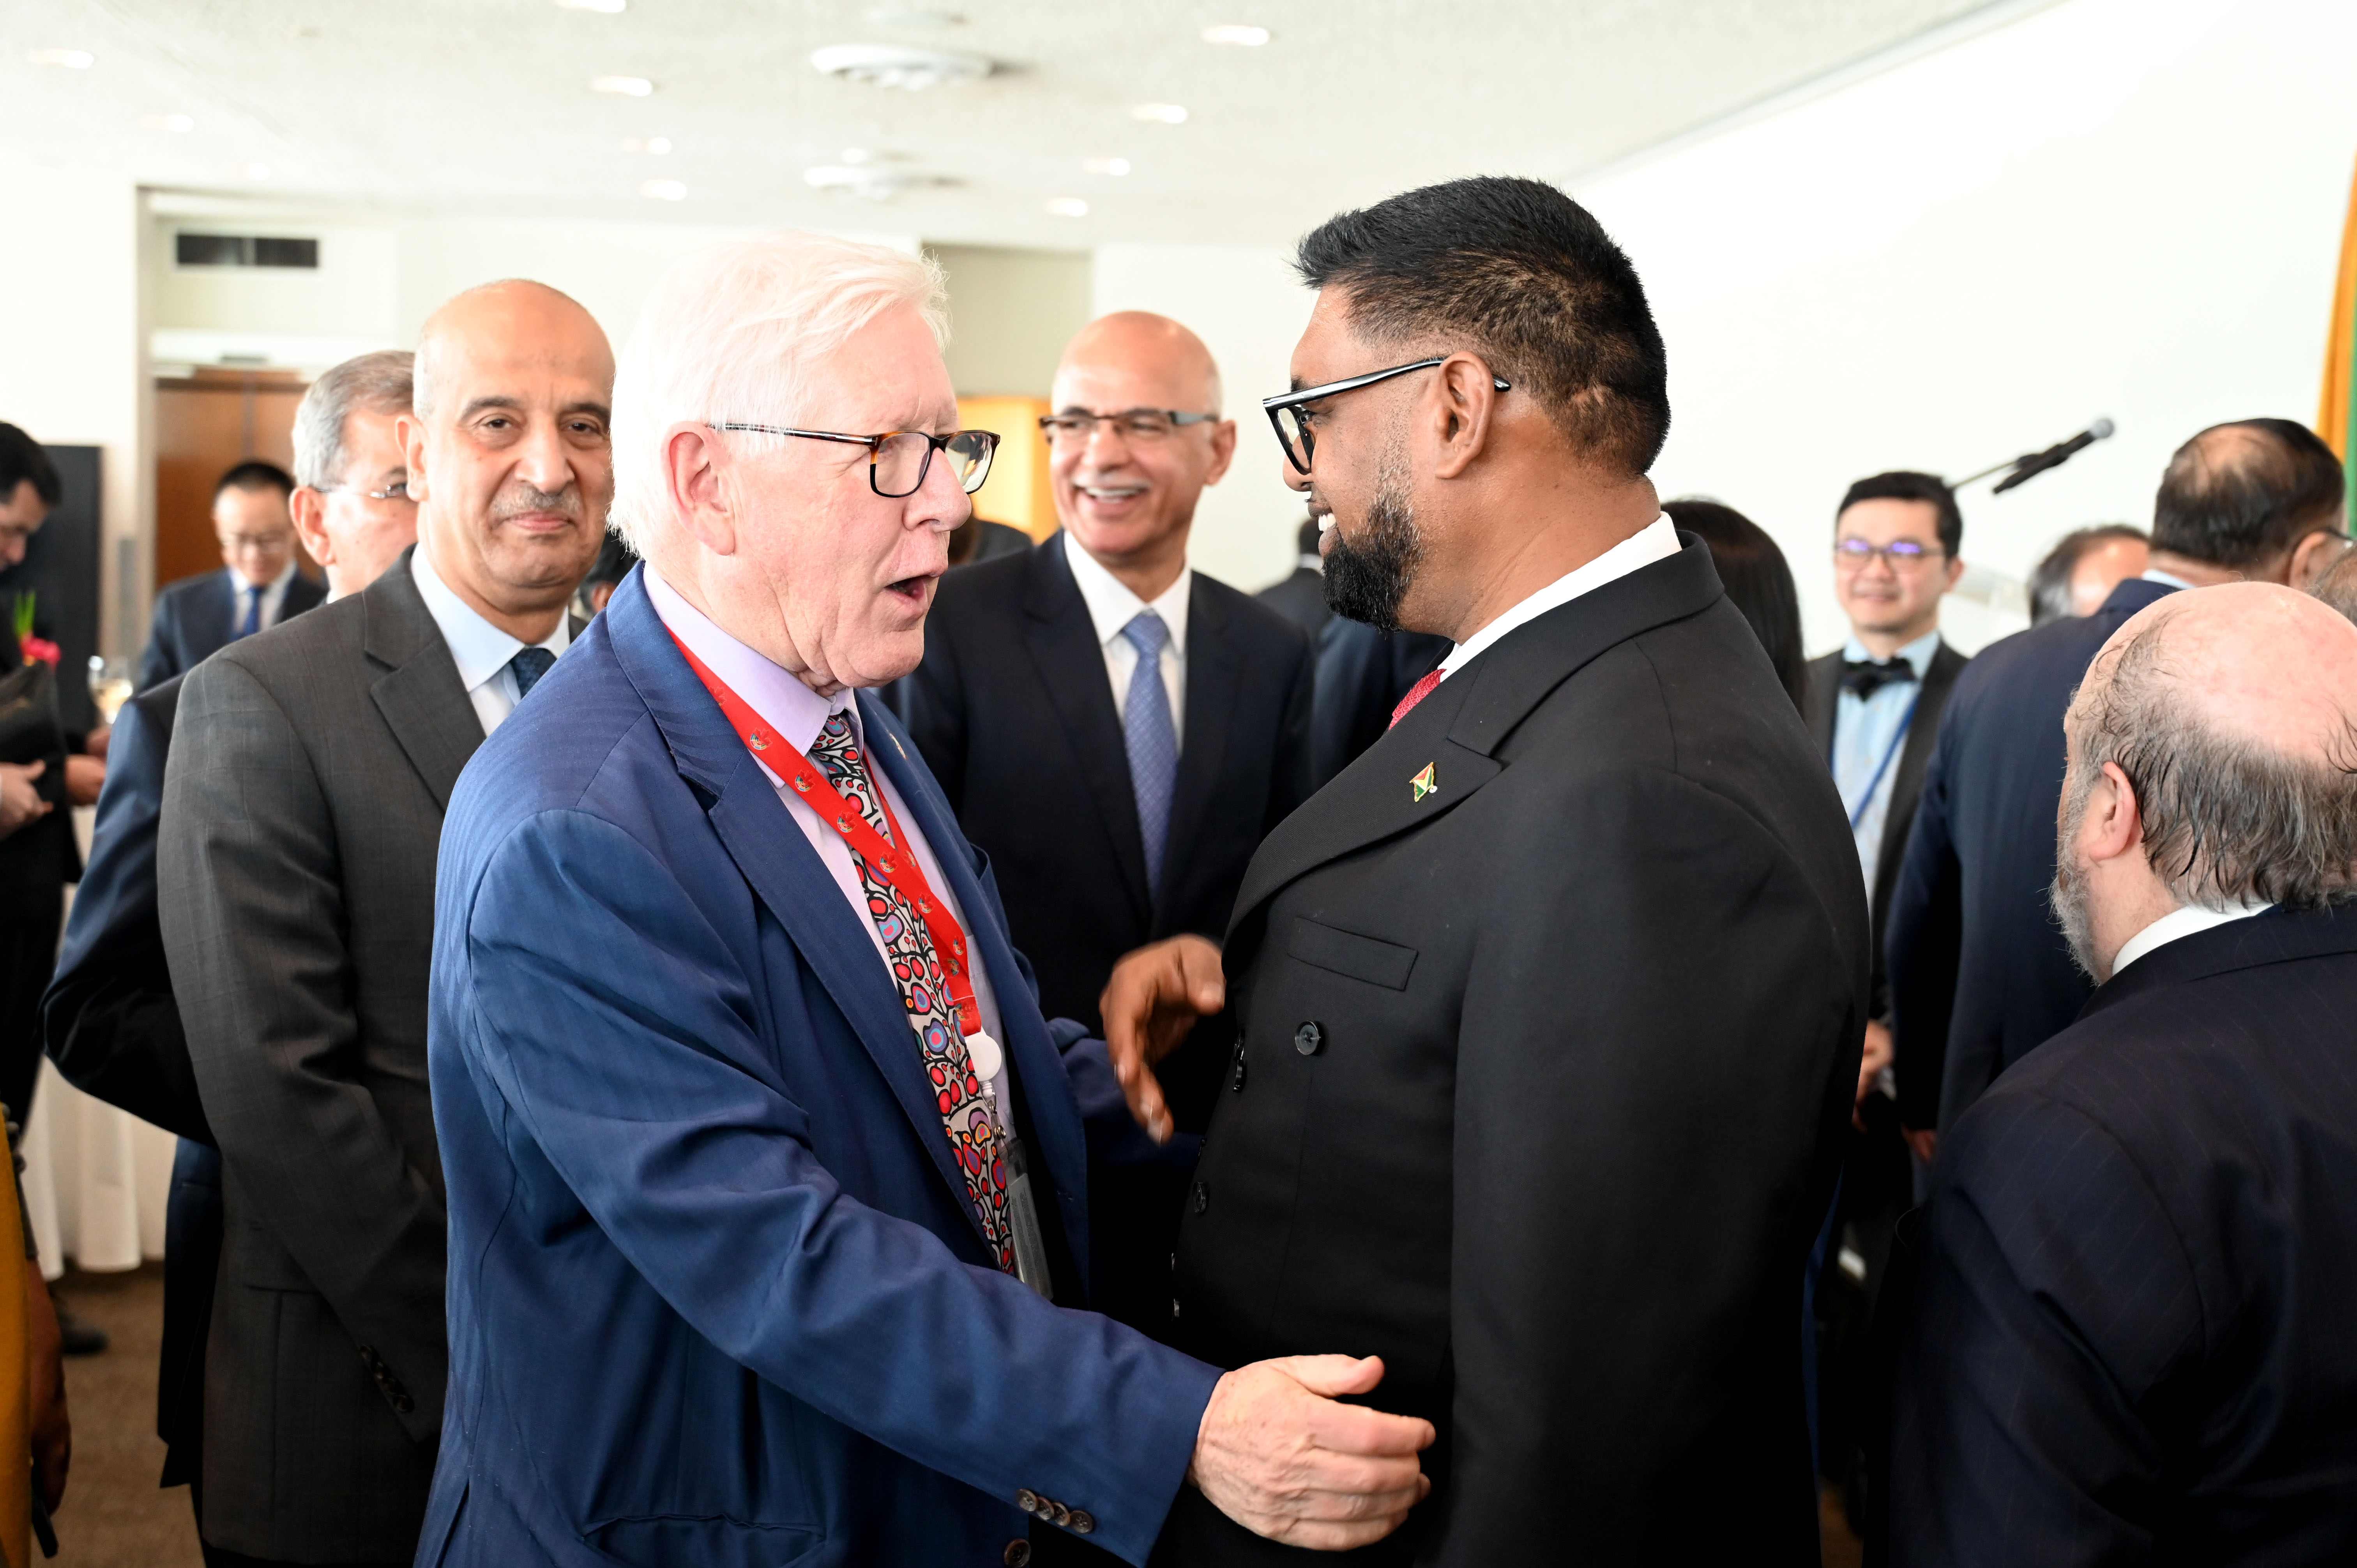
column 1551, row 1002
column 2130, row 1342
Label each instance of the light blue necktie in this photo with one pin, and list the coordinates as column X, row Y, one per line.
column 252, row 621
column 1152, row 738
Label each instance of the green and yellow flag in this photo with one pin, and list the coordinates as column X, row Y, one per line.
column 2336, row 419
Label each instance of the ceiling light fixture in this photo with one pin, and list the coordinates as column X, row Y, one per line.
column 603, row 7
column 663, row 190
column 890, row 65
column 1104, row 165
column 1066, row 207
column 628, row 86
column 167, row 122
column 71, row 59
column 257, row 171
column 1233, row 33
column 868, row 182
column 1161, row 113
column 910, row 17
column 658, row 145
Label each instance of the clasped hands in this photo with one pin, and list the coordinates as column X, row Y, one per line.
column 1277, row 1452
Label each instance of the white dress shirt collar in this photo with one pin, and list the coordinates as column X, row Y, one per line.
column 481, row 650
column 2181, row 922
column 1657, row 541
column 2167, row 579
column 791, row 708
column 1111, row 605
column 274, row 593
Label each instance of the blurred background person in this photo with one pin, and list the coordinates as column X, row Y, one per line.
column 1301, row 596
column 2130, row 1341
column 1757, row 577
column 1978, row 981
column 1118, row 732
column 109, row 1020
column 295, row 864
column 2086, row 565
column 979, row 538
column 2337, row 585
column 257, row 586
column 614, row 562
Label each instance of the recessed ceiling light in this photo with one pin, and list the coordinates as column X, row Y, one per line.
column 71, row 59
column 1067, row 206
column 167, row 121
column 894, row 65
column 603, row 7
column 1235, row 33
column 1104, row 165
column 664, row 190
column 257, row 171
column 628, row 86
column 911, row 16
column 658, row 145
column 1164, row 114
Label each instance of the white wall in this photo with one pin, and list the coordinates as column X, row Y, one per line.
column 72, row 364
column 1248, row 307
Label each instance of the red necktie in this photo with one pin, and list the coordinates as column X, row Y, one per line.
column 1415, row 693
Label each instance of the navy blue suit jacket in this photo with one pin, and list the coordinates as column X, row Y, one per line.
column 2134, row 1340
column 1979, row 972
column 716, row 1294
column 196, row 618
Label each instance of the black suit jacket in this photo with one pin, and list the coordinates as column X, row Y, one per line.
column 1552, row 1005
column 1299, row 597
column 196, row 618
column 111, row 1025
column 1823, row 708
column 1979, row 972
column 2133, row 1341
column 1363, row 674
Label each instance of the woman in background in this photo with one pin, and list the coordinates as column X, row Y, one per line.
column 1757, row 579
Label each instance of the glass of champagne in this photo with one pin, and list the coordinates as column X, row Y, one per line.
column 110, row 685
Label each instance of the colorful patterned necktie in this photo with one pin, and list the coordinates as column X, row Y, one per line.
column 925, row 993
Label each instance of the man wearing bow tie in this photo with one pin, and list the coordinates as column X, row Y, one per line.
column 1875, row 706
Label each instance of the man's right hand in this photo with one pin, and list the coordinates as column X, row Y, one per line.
column 1152, row 999
column 1281, row 1456
column 19, row 801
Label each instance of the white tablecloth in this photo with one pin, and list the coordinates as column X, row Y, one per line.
column 95, row 1177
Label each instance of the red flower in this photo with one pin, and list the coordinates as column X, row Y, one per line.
column 40, row 648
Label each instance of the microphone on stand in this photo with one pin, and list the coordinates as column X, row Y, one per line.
column 2031, row 464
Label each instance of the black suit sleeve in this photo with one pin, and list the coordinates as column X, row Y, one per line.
column 1291, row 781
column 2056, row 1299
column 1924, row 945
column 1660, row 1029
column 933, row 706
column 110, row 1021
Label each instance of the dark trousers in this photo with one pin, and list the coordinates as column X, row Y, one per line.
column 29, row 956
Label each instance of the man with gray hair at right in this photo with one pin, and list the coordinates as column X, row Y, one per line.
column 2131, row 1336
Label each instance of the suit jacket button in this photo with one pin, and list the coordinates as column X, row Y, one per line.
column 1307, row 1039
column 1174, row 1309
column 1083, row 1523
column 1063, row 1514
column 1202, row 1195
column 1016, row 1555
column 402, row 1404
column 1026, row 1500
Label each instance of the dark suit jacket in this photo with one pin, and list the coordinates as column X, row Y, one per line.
column 2133, row 1342
column 196, row 618
column 1545, row 1072
column 1363, row 674
column 717, row 1293
column 1015, row 718
column 113, row 1029
column 1300, row 599
column 302, row 809
column 1822, row 708
column 1979, row 972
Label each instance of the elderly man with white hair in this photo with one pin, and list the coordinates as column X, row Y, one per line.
column 767, row 1179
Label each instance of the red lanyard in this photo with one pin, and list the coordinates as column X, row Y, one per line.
column 897, row 866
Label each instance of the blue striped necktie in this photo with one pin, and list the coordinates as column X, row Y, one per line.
column 1152, row 739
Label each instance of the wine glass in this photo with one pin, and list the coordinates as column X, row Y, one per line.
column 110, row 685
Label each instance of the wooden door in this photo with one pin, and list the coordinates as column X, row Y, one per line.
column 1017, row 493
column 206, row 425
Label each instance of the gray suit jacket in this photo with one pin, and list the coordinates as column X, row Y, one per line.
column 302, row 811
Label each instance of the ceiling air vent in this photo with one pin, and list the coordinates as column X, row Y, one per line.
column 245, row 251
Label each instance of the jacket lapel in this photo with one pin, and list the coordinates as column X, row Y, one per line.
column 1825, row 701
column 1443, row 750
column 1214, row 679
column 779, row 863
column 419, row 695
column 1923, row 733
column 1062, row 642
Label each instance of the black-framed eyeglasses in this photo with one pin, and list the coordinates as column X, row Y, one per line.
column 1899, row 555
column 898, row 461
column 1284, row 410
column 1075, row 426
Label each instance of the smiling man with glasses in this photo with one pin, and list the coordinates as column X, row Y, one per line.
column 1550, row 1000
column 258, row 585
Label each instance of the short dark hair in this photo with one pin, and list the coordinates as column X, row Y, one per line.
column 1907, row 485
column 1519, row 273
column 254, row 474
column 2049, row 582
column 22, row 459
column 1757, row 579
column 2246, row 491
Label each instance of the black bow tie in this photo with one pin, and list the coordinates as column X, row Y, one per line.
column 1866, row 676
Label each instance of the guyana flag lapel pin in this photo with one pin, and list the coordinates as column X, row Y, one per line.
column 1422, row 783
